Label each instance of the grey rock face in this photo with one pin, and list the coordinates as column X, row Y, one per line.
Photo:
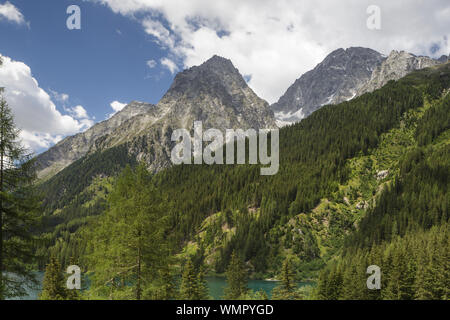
column 396, row 66
column 443, row 59
column 74, row 147
column 336, row 79
column 214, row 93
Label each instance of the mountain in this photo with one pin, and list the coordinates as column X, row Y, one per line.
column 443, row 59
column 349, row 172
column 336, row 79
column 396, row 66
column 344, row 75
column 214, row 93
column 74, row 147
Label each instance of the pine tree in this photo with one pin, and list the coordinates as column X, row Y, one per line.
column 19, row 208
column 193, row 285
column 54, row 283
column 167, row 288
column 189, row 282
column 287, row 290
column 236, row 278
column 127, row 245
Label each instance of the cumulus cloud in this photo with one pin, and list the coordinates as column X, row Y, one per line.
column 151, row 64
column 41, row 124
column 10, row 13
column 116, row 106
column 169, row 64
column 274, row 42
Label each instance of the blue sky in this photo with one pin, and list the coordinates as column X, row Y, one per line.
column 105, row 61
column 60, row 82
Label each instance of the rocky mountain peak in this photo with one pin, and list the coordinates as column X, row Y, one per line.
column 397, row 65
column 215, row 76
column 336, row 79
column 444, row 58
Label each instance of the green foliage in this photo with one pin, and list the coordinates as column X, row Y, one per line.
column 193, row 286
column 287, row 290
column 54, row 284
column 406, row 231
column 127, row 246
column 412, row 267
column 328, row 163
column 19, row 209
column 434, row 122
column 236, row 279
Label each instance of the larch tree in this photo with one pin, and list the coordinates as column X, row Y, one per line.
column 127, row 245
column 19, row 208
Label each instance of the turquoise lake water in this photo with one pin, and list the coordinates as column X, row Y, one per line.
column 216, row 286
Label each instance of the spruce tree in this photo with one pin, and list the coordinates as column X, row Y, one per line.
column 202, row 287
column 19, row 208
column 189, row 282
column 287, row 290
column 236, row 278
column 54, row 283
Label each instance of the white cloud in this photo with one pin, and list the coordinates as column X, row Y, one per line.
column 159, row 32
column 35, row 113
column 116, row 106
column 151, row 64
column 78, row 112
column 60, row 97
column 9, row 12
column 169, row 64
column 275, row 42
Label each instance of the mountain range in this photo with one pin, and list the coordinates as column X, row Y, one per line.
column 344, row 75
column 214, row 93
column 217, row 94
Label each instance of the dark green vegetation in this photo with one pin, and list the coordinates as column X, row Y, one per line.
column 19, row 209
column 407, row 232
column 54, row 284
column 330, row 203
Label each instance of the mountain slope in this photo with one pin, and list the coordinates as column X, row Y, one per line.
column 344, row 75
column 336, row 79
column 214, row 93
column 396, row 66
column 74, row 147
column 332, row 165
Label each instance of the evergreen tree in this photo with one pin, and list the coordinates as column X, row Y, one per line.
column 54, row 283
column 236, row 278
column 167, row 287
column 193, row 285
column 127, row 246
column 203, row 291
column 287, row 290
column 19, row 208
column 189, row 282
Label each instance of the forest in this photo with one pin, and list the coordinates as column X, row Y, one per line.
column 325, row 216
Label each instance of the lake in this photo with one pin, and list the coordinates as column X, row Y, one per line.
column 216, row 286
